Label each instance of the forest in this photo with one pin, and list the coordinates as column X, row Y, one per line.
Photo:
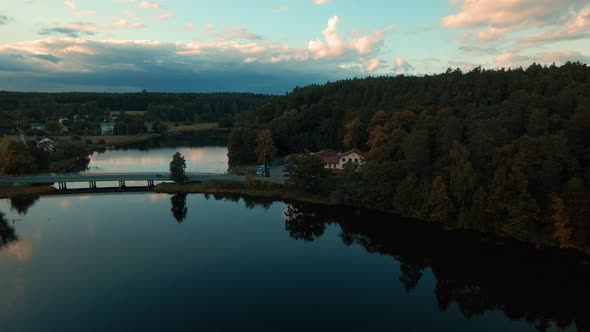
column 503, row 151
column 91, row 108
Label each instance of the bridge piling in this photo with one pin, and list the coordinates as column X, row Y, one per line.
column 151, row 184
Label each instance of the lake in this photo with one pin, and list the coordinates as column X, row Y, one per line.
column 210, row 159
column 155, row 262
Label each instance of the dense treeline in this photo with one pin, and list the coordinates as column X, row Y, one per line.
column 504, row 151
column 91, row 108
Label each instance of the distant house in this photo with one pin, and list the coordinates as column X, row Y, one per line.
column 62, row 123
column 38, row 126
column 45, row 144
column 107, row 128
column 335, row 161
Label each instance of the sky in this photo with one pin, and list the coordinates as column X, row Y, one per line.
column 272, row 46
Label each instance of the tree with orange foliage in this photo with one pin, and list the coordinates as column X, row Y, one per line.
column 352, row 139
column 561, row 221
column 439, row 204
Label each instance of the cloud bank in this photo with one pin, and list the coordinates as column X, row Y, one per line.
column 235, row 60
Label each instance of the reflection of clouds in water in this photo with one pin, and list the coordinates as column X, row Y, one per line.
column 84, row 198
column 158, row 197
column 149, row 198
column 22, row 250
column 204, row 159
column 65, row 204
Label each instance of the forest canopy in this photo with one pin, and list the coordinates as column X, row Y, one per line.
column 504, row 151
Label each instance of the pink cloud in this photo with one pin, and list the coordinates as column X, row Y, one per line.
column 124, row 24
column 321, row 2
column 149, row 5
column 71, row 4
column 576, row 27
column 508, row 13
column 491, row 34
column 508, row 58
column 372, row 64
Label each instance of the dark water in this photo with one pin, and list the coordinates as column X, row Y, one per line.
column 151, row 262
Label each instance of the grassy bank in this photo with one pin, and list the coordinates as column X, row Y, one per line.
column 8, row 192
column 116, row 140
column 251, row 188
column 182, row 128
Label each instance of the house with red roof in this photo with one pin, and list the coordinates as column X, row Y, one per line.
column 45, row 144
column 335, row 161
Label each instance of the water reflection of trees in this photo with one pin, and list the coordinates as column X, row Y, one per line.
column 179, row 209
column 542, row 287
column 21, row 204
column 7, row 232
column 304, row 224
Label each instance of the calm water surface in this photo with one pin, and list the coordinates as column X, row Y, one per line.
column 210, row 159
column 153, row 262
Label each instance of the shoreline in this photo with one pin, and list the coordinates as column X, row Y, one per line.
column 262, row 190
column 19, row 191
column 273, row 191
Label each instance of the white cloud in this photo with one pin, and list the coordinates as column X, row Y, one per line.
column 335, row 45
column 321, row 2
column 233, row 55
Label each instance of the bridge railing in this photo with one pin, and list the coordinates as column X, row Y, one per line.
column 92, row 174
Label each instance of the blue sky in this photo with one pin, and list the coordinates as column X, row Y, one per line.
column 272, row 46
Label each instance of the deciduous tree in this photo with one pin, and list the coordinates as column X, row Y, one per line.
column 265, row 149
column 177, row 167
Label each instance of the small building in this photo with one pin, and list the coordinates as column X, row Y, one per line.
column 45, row 144
column 107, row 128
column 38, row 126
column 335, row 161
column 63, row 124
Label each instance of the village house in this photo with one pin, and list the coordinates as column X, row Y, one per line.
column 107, row 128
column 62, row 123
column 45, row 144
column 335, row 161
